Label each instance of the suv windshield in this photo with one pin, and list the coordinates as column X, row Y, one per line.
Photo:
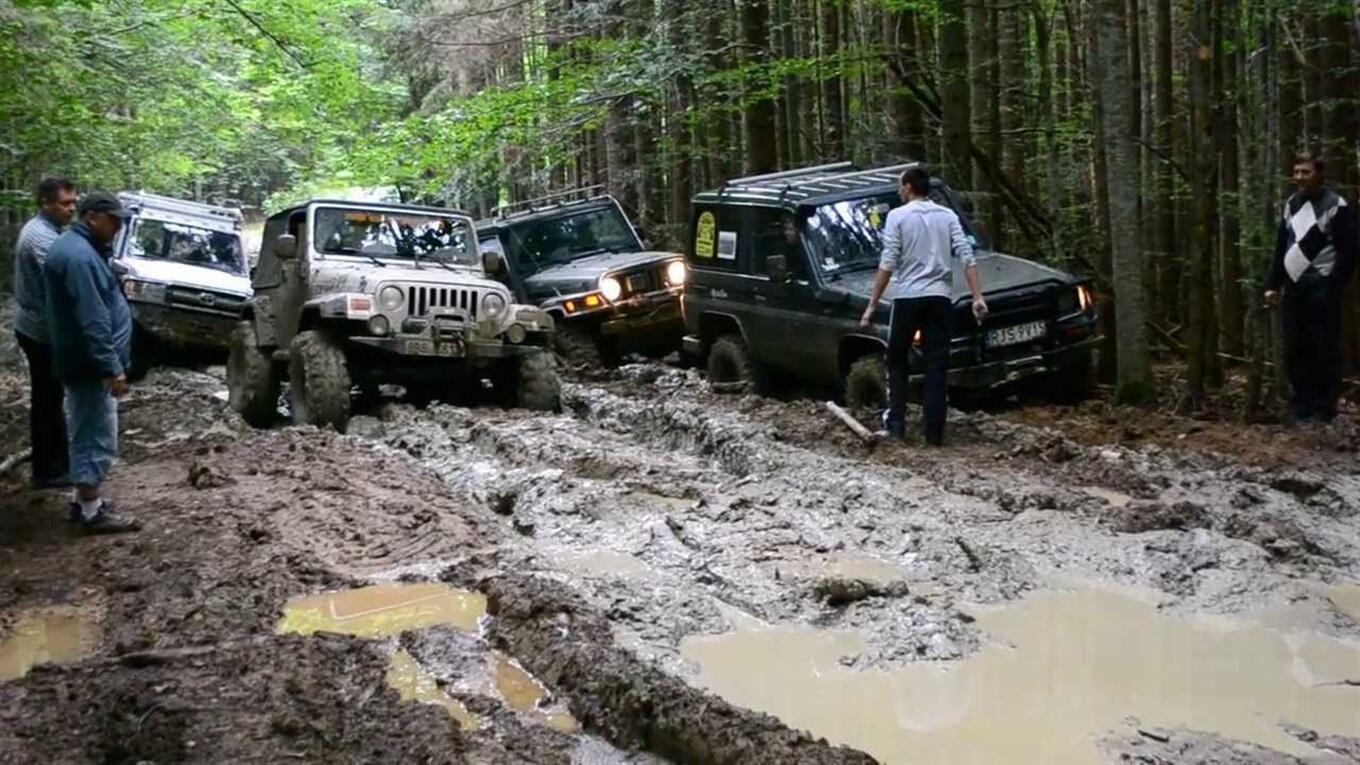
column 395, row 236
column 553, row 241
column 191, row 245
column 847, row 236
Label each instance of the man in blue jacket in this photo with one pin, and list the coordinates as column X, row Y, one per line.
column 90, row 326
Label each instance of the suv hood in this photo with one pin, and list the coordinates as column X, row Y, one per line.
column 996, row 270
column 584, row 273
column 185, row 275
column 368, row 276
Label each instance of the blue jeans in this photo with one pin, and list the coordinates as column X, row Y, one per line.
column 92, row 425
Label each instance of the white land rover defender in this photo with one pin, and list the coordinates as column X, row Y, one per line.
column 358, row 294
column 185, row 274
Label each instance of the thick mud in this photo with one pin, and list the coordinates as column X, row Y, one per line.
column 670, row 574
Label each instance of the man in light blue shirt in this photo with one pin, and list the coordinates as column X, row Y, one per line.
column 921, row 239
column 46, row 423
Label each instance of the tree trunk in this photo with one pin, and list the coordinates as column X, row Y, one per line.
column 761, row 145
column 1167, row 254
column 986, row 121
column 1013, row 146
column 1134, row 375
column 1201, row 332
column 1232, row 310
column 717, row 146
column 906, row 125
column 833, row 103
column 954, row 104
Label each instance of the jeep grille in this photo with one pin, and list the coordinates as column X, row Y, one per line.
column 205, row 301
column 420, row 300
column 642, row 281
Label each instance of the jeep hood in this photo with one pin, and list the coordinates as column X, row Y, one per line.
column 584, row 274
column 186, row 275
column 997, row 272
column 333, row 274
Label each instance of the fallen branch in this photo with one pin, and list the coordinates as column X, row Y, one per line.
column 14, row 460
column 974, row 559
column 737, row 386
column 851, row 423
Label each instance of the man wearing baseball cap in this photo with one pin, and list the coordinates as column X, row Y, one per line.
column 91, row 331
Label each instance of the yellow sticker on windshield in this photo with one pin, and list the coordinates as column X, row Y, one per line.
column 704, row 235
column 875, row 219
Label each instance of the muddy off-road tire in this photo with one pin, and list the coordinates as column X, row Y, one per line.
column 577, row 349
column 730, row 362
column 252, row 386
column 529, row 382
column 866, row 384
column 320, row 381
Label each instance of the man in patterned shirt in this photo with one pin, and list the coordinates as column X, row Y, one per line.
column 47, row 423
column 1315, row 255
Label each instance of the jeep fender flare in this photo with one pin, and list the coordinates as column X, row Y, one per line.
column 713, row 323
column 857, row 345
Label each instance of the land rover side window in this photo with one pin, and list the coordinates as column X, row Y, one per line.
column 942, row 194
column 191, row 245
column 395, row 235
column 848, row 236
column 775, row 232
column 553, row 241
column 720, row 238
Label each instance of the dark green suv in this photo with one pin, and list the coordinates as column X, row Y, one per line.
column 781, row 268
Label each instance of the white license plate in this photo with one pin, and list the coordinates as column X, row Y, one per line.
column 1020, row 333
column 429, row 348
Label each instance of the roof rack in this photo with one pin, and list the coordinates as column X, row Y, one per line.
column 552, row 200
column 183, row 206
column 846, row 165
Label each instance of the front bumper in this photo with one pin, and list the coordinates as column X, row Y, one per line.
column 650, row 314
column 183, row 327
column 451, row 349
column 995, row 374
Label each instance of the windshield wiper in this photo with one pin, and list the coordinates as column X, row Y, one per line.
column 352, row 251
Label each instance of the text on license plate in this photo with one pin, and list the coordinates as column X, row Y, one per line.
column 1020, row 333
column 430, row 348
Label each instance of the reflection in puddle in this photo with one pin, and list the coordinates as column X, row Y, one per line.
column 1114, row 498
column 415, row 684
column 522, row 693
column 384, row 610
column 1072, row 666
column 1347, row 600
column 608, row 564
column 47, row 636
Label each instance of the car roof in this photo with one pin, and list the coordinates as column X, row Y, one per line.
column 809, row 186
column 362, row 204
column 213, row 217
column 549, row 206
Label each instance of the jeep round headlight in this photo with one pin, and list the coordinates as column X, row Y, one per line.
column 390, row 298
column 516, row 333
column 676, row 273
column 493, row 306
column 610, row 288
column 379, row 325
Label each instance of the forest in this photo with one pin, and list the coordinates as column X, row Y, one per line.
column 1147, row 143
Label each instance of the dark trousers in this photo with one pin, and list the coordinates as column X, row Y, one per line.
column 1312, row 347
column 46, row 420
column 930, row 315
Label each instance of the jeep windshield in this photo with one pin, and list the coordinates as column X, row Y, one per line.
column 191, row 245
column 538, row 244
column 848, row 236
column 395, row 235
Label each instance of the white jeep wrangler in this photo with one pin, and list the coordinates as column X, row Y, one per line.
column 358, row 294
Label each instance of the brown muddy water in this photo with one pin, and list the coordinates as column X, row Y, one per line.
column 384, row 610
column 413, row 683
column 1062, row 668
column 1346, row 598
column 53, row 635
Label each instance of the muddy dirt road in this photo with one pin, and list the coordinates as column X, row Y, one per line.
column 663, row 574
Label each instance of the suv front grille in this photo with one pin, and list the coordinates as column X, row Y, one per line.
column 420, row 300
column 209, row 301
column 1008, row 310
column 643, row 281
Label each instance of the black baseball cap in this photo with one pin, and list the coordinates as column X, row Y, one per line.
column 103, row 202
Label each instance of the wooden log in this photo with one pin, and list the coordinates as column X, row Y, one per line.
column 851, row 423
column 15, row 459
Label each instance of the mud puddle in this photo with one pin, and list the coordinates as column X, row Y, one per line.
column 525, row 694
column 1062, row 669
column 413, row 683
column 384, row 610
column 1347, row 600
column 48, row 636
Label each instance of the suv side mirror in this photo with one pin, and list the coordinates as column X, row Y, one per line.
column 777, row 266
column 285, row 247
column 492, row 263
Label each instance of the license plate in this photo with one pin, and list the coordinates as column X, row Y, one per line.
column 431, row 348
column 1020, row 333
